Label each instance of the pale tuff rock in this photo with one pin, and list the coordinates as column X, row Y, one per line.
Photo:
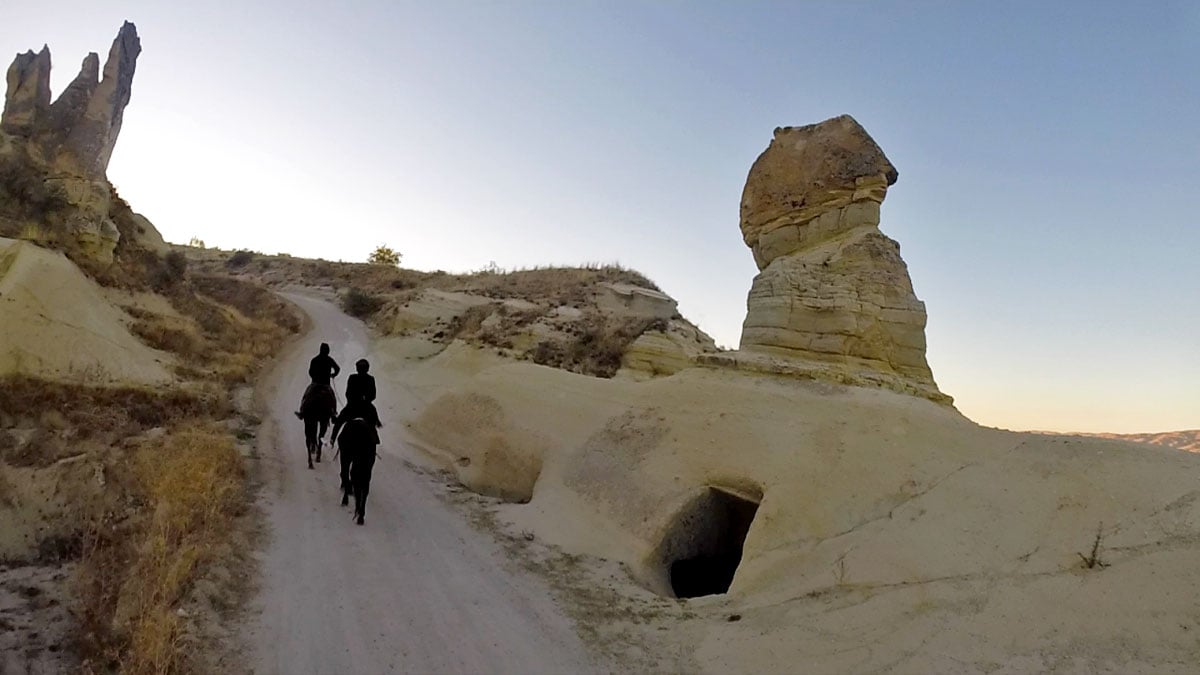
column 72, row 139
column 635, row 301
column 666, row 352
column 75, row 134
column 86, row 119
column 57, row 324
column 833, row 298
column 28, row 95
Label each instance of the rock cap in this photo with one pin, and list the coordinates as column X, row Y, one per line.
column 809, row 170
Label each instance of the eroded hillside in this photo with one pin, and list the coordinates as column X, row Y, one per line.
column 596, row 320
column 125, row 418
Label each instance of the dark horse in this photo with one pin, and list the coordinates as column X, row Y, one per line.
column 356, row 444
column 317, row 409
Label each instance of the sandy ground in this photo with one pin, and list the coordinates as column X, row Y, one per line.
column 35, row 623
column 416, row 589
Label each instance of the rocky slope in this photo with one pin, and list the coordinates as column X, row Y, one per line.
column 604, row 321
column 813, row 493
column 121, row 480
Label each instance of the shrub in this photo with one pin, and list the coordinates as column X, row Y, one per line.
column 383, row 255
column 239, row 259
column 360, row 304
column 176, row 263
column 166, row 272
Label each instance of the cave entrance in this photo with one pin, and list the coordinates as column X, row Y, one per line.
column 704, row 547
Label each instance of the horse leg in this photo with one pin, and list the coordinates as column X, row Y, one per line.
column 345, row 476
column 362, row 485
column 310, row 438
column 319, row 442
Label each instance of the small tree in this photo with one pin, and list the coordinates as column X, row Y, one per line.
column 384, row 255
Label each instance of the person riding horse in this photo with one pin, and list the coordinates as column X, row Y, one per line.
column 355, row 431
column 360, row 385
column 319, row 403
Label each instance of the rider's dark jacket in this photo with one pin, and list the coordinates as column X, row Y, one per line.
column 321, row 368
column 360, row 386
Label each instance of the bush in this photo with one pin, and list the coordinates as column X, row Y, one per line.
column 384, row 255
column 239, row 259
column 176, row 263
column 360, row 304
column 166, row 272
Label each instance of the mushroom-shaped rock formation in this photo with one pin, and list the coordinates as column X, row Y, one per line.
column 833, row 299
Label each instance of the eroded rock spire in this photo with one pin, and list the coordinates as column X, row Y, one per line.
column 833, row 298
column 75, row 134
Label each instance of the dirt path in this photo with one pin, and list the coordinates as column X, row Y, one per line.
column 415, row 589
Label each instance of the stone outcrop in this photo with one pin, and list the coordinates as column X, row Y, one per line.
column 75, row 134
column 833, row 298
column 27, row 98
column 71, row 140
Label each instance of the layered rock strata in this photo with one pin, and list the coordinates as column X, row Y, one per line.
column 833, row 298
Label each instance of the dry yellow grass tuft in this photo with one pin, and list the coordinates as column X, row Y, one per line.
column 189, row 486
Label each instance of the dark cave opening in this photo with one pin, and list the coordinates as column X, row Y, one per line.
column 707, row 540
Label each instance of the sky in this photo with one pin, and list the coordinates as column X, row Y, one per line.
column 1049, row 157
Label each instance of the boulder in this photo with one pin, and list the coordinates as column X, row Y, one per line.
column 635, row 301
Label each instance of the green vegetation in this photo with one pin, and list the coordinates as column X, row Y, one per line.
column 383, row 255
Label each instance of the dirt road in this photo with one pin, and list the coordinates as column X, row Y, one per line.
column 415, row 589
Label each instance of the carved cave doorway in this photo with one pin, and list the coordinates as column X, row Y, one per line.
column 703, row 548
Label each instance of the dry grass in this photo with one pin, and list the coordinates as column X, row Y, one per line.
column 188, row 487
column 231, row 328
column 167, row 503
column 106, row 412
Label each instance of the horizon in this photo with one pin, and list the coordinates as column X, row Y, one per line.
column 1041, row 151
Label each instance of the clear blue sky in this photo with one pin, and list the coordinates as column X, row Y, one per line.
column 1049, row 157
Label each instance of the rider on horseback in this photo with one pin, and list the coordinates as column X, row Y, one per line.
column 321, row 369
column 358, row 425
column 360, row 385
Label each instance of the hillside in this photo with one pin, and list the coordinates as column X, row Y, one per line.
column 125, row 411
column 1180, row 440
column 597, row 320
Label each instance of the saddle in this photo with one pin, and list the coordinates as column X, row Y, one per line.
column 319, row 398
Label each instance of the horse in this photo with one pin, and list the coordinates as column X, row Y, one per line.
column 317, row 408
column 356, row 445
